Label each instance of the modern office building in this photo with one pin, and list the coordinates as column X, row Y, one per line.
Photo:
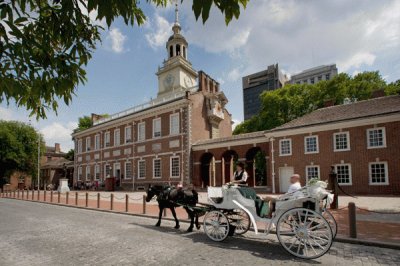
column 253, row 85
column 315, row 74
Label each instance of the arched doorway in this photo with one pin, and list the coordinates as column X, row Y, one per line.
column 256, row 167
column 207, row 169
column 229, row 160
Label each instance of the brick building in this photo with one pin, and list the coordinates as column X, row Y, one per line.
column 360, row 140
column 151, row 143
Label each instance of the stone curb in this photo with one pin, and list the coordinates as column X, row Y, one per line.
column 342, row 239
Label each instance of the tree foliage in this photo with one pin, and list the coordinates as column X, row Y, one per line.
column 294, row 100
column 70, row 155
column 18, row 149
column 45, row 45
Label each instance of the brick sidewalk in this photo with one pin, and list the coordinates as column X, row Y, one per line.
column 367, row 229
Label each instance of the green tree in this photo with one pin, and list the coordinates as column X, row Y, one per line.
column 295, row 100
column 70, row 155
column 84, row 122
column 45, row 45
column 18, row 149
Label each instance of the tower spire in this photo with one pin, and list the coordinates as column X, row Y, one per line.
column 176, row 13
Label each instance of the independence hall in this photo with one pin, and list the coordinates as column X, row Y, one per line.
column 184, row 136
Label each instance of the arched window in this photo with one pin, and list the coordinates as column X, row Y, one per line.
column 184, row 52
column 171, row 51
column 178, row 49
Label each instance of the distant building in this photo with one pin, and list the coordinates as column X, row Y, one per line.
column 315, row 75
column 253, row 85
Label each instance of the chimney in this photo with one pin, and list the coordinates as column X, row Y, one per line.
column 329, row 102
column 57, row 148
column 96, row 117
column 378, row 93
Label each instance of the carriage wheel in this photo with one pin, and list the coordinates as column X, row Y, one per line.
column 241, row 220
column 304, row 233
column 216, row 225
column 332, row 222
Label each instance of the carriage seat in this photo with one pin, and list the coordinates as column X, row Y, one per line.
column 261, row 207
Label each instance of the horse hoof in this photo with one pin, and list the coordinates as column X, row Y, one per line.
column 177, row 227
column 158, row 225
column 198, row 227
column 190, row 230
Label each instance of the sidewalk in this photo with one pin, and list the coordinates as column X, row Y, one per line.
column 371, row 226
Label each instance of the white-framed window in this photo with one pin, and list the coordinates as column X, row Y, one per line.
column 285, row 147
column 341, row 141
column 141, row 131
column 174, row 124
column 128, row 134
column 376, row 138
column 80, row 173
column 156, row 127
column 80, row 146
column 88, row 144
column 157, row 168
column 107, row 171
column 175, row 166
column 117, row 137
column 141, row 169
column 378, row 173
column 312, row 171
column 87, row 172
column 97, row 172
column 128, row 170
column 107, row 139
column 97, row 141
column 343, row 172
column 311, row 144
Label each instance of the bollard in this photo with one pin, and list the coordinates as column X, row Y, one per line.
column 14, row 193
column 51, row 196
column 23, row 194
column 87, row 199
column 112, row 201
column 33, row 194
column 18, row 194
column 98, row 200
column 126, row 202
column 27, row 194
column 165, row 212
column 38, row 195
column 59, row 197
column 352, row 220
column 44, row 195
column 66, row 198
column 144, row 204
column 76, row 198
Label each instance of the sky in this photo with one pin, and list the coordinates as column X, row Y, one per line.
column 357, row 35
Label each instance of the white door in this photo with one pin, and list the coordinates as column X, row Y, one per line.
column 284, row 178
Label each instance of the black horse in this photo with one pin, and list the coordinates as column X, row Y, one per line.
column 169, row 198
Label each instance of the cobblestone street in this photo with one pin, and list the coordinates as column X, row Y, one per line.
column 39, row 234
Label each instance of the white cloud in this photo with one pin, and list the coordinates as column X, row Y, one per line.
column 115, row 40
column 6, row 114
column 234, row 75
column 159, row 31
column 357, row 60
column 235, row 123
column 58, row 132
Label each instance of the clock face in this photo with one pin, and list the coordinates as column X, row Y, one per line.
column 169, row 81
column 188, row 82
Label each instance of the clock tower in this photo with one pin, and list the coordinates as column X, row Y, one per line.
column 177, row 73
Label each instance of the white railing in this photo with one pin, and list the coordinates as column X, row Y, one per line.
column 146, row 105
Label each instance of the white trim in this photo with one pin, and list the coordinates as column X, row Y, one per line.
column 305, row 144
column 87, row 172
column 125, row 176
column 105, row 170
column 170, row 166
column 107, row 133
column 125, row 138
column 280, row 146
column 115, row 170
column 143, row 138
column 88, row 143
column 357, row 122
column 171, row 116
column 383, row 138
column 350, row 174
column 347, row 133
column 154, row 177
column 313, row 166
column 230, row 142
column 138, row 169
column 386, row 174
column 155, row 120
column 97, row 144
column 115, row 137
column 79, row 173
column 79, row 146
column 97, row 167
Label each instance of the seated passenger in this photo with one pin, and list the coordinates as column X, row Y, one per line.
column 294, row 186
column 240, row 175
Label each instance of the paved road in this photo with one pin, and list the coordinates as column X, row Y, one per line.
column 39, row 234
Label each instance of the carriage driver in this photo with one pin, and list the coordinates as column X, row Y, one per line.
column 240, row 175
column 294, row 186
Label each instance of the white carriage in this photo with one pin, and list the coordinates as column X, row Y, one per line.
column 303, row 225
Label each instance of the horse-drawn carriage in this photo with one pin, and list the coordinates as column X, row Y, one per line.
column 303, row 225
